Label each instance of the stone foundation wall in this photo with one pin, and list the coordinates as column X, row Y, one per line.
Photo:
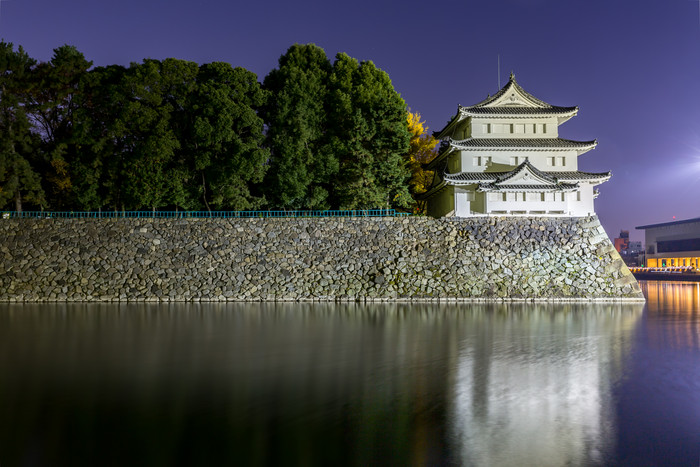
column 309, row 259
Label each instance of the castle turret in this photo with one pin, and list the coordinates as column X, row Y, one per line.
column 503, row 156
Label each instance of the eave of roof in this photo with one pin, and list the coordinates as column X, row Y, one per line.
column 574, row 175
column 510, row 144
column 431, row 165
column 432, row 191
column 512, row 83
column 539, row 107
column 527, row 111
column 526, row 166
column 559, row 187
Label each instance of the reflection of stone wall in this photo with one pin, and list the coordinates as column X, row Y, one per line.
column 309, row 259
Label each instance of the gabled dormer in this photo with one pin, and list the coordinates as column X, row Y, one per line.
column 526, row 174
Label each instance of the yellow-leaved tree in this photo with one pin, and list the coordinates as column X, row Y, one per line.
column 423, row 148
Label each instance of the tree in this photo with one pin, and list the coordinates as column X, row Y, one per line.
column 19, row 181
column 224, row 145
column 369, row 133
column 422, row 150
column 301, row 169
column 55, row 97
column 96, row 167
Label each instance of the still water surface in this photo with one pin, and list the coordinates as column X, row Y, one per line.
column 396, row 384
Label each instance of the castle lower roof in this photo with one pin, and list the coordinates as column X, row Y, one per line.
column 559, row 187
column 559, row 181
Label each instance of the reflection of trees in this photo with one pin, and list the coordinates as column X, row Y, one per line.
column 300, row 384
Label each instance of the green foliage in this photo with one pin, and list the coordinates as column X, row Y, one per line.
column 338, row 134
column 56, row 94
column 173, row 134
column 19, row 181
column 97, row 169
column 301, row 168
column 369, row 134
column 226, row 136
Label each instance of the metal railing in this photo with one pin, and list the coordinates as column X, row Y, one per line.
column 197, row 214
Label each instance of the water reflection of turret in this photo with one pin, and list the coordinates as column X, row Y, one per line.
column 535, row 387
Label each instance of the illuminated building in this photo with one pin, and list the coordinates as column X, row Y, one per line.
column 629, row 250
column 503, row 157
column 623, row 241
column 672, row 244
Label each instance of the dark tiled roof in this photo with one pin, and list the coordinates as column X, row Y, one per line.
column 512, row 84
column 526, row 165
column 493, row 176
column 539, row 107
column 520, row 143
column 556, row 187
column 517, row 110
column 578, row 175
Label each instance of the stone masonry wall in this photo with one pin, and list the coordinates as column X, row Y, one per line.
column 309, row 259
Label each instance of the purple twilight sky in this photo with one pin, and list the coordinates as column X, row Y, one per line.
column 632, row 66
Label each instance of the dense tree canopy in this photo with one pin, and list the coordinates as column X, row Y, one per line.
column 338, row 134
column 173, row 134
column 19, row 182
column 369, row 135
column 301, row 169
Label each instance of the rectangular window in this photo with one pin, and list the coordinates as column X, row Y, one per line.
column 505, row 196
column 561, row 161
column 534, row 127
column 551, row 161
column 563, row 197
column 673, row 246
column 482, row 161
column 542, row 197
column 578, row 196
column 486, row 128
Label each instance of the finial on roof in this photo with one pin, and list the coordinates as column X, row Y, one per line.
column 512, row 75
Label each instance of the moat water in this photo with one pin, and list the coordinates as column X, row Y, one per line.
column 298, row 384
